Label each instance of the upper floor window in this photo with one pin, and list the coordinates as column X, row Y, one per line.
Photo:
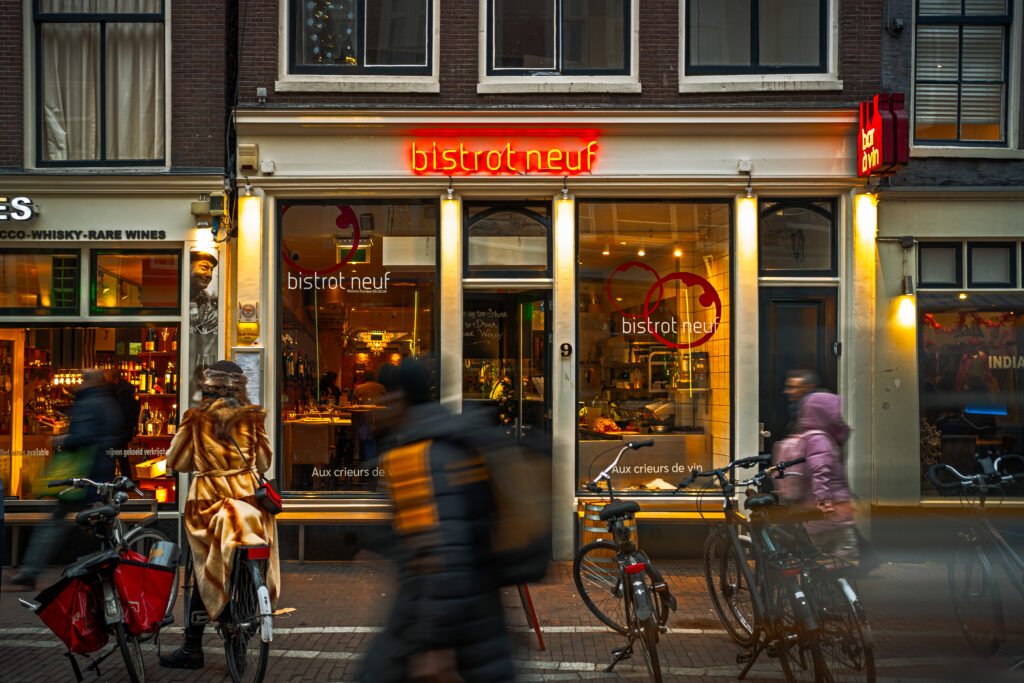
column 100, row 93
column 360, row 36
column 960, row 70
column 558, row 37
column 756, row 36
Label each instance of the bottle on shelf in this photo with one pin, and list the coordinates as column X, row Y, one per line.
column 169, row 379
column 143, row 419
column 149, row 343
column 172, row 420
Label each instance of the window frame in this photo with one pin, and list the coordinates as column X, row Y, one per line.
column 826, row 79
column 1012, row 249
column 767, row 205
column 544, row 82
column 1010, row 76
column 732, row 70
column 38, row 18
column 559, row 37
column 72, row 310
column 959, row 262
column 355, row 82
column 487, row 272
column 293, row 68
column 95, row 310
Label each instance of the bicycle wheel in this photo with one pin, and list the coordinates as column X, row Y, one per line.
column 240, row 626
column 142, row 540
column 729, row 589
column 649, row 644
column 976, row 599
column 131, row 651
column 799, row 652
column 595, row 570
column 845, row 636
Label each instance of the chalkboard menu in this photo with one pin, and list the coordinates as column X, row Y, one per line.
column 483, row 327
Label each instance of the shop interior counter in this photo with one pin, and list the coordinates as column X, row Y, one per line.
column 657, row 468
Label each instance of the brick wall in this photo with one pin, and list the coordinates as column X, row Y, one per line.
column 860, row 29
column 11, row 84
column 197, row 92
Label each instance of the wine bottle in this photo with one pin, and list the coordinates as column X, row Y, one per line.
column 172, row 419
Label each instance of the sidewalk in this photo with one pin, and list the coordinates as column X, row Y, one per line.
column 340, row 606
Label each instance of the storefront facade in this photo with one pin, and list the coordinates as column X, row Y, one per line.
column 587, row 278
column 100, row 273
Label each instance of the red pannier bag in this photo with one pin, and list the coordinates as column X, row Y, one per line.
column 144, row 590
column 71, row 609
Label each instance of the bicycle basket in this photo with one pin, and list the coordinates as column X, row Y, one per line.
column 71, row 610
column 144, row 589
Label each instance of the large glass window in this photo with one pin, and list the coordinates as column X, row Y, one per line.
column 124, row 281
column 559, row 37
column 100, row 82
column 358, row 293
column 971, row 369
column 39, row 281
column 507, row 239
column 653, row 349
column 756, row 36
column 40, row 375
column 361, row 36
column 960, row 71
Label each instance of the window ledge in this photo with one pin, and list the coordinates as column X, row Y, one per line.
column 365, row 83
column 967, row 152
column 492, row 85
column 755, row 83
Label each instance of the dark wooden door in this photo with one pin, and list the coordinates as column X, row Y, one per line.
column 798, row 331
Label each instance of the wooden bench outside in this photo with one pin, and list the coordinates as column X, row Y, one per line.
column 329, row 515
column 18, row 519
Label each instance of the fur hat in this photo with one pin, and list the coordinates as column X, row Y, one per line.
column 224, row 373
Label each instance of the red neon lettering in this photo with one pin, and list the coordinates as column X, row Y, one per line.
column 456, row 158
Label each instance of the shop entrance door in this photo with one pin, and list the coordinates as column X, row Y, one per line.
column 12, row 362
column 506, row 343
column 798, row 331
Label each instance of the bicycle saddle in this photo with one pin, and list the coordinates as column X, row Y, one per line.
column 762, row 500
column 94, row 516
column 619, row 508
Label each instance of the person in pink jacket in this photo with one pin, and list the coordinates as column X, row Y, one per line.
column 821, row 482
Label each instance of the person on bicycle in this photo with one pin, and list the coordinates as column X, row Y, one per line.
column 223, row 441
column 447, row 622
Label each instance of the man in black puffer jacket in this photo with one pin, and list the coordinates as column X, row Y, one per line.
column 447, row 623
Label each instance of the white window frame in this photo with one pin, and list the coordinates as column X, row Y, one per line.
column 723, row 83
column 288, row 82
column 628, row 83
column 1011, row 149
column 29, row 151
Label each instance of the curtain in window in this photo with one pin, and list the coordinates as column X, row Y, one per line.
column 70, row 73
column 72, row 87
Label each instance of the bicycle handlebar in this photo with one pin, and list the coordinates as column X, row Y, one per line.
column 103, row 488
column 635, row 445
column 981, row 482
column 745, row 463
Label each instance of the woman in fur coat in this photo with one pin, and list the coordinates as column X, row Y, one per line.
column 223, row 442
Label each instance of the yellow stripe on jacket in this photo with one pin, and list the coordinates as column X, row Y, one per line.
column 412, row 489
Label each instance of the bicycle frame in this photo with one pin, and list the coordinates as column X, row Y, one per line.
column 999, row 549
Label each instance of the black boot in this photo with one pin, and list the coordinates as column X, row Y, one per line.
column 188, row 656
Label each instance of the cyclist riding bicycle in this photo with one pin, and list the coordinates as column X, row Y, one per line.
column 224, row 443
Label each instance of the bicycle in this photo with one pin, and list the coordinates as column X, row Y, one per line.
column 618, row 582
column 975, row 593
column 113, row 591
column 780, row 597
column 246, row 622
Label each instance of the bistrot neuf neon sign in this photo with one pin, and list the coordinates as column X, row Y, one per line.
column 452, row 156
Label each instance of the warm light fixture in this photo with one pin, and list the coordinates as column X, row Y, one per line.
column 678, row 253
column 962, row 296
column 908, row 280
column 451, row 190
column 250, row 213
column 565, row 187
column 606, row 250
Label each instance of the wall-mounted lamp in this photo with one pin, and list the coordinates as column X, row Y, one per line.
column 451, row 190
column 908, row 280
column 747, row 166
column 565, row 187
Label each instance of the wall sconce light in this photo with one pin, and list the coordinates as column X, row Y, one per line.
column 565, row 188
column 908, row 280
column 451, row 190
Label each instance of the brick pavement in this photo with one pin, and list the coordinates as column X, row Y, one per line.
column 339, row 607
